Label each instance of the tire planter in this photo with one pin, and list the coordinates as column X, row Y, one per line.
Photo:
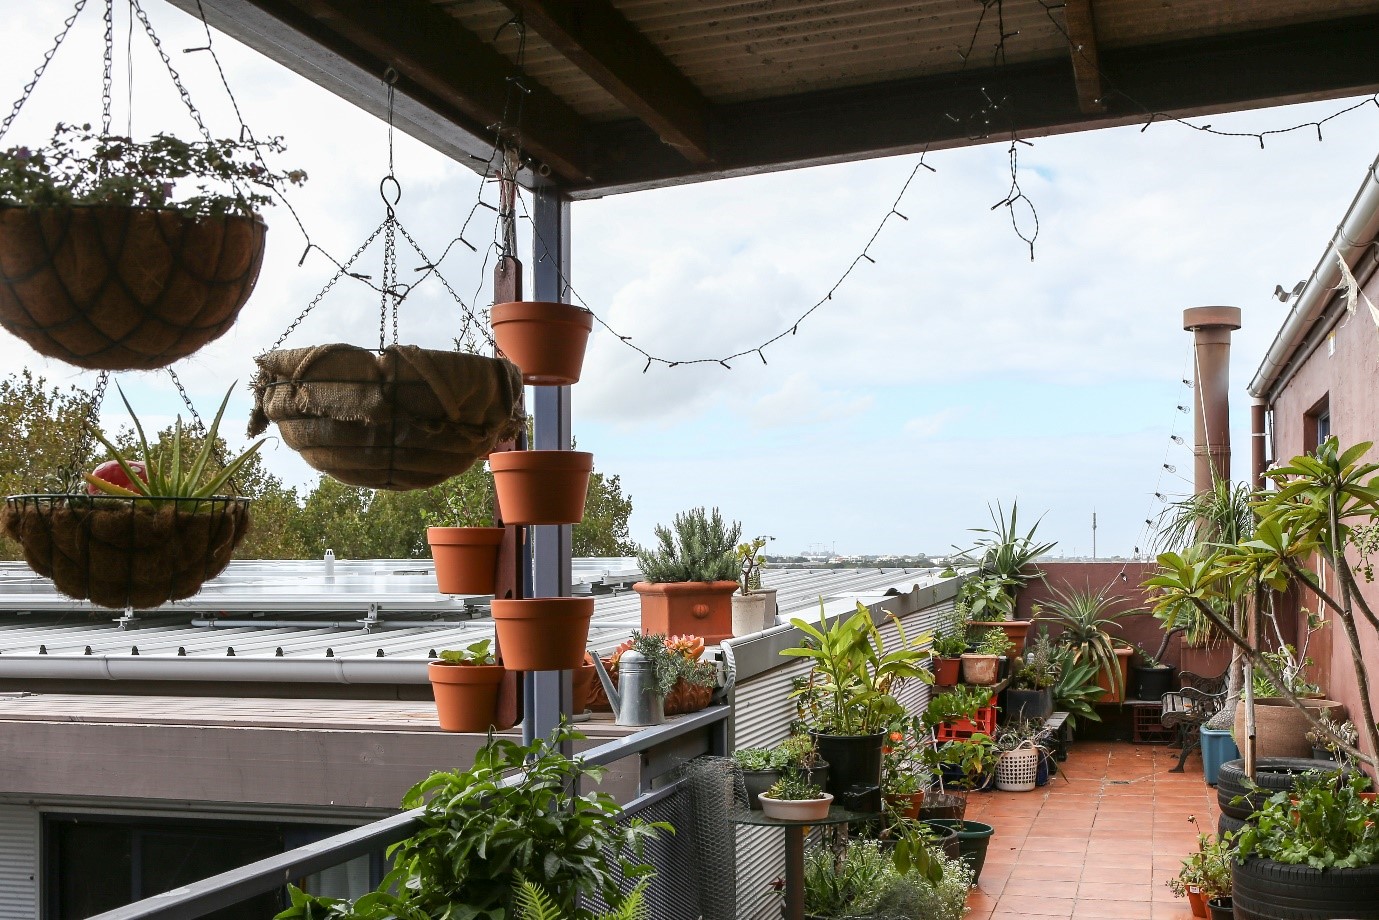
column 1225, row 824
column 466, row 558
column 546, row 340
column 947, row 672
column 854, row 768
column 543, row 634
column 1152, row 683
column 466, row 695
column 1272, row 774
column 126, row 552
column 982, row 670
column 1262, row 889
column 796, row 809
column 973, row 838
column 541, row 486
column 408, row 418
column 1280, row 729
column 124, row 288
column 700, row 608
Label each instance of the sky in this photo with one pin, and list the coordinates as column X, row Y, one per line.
column 949, row 374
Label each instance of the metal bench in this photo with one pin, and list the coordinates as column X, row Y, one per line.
column 1187, row 709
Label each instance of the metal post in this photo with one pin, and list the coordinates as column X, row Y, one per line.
column 548, row 695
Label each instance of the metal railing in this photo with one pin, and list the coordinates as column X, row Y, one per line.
column 663, row 747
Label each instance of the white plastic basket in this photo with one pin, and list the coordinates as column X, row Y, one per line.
column 1016, row 770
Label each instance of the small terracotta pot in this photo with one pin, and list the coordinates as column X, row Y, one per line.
column 541, row 486
column 543, row 633
column 466, row 695
column 466, row 558
column 546, row 340
column 582, row 685
column 701, row 608
column 947, row 672
column 907, row 805
column 980, row 669
column 1197, row 902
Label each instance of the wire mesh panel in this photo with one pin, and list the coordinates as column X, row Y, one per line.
column 673, row 892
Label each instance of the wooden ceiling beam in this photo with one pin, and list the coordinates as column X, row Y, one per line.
column 1081, row 26
column 596, row 38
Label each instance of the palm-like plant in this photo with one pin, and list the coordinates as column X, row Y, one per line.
column 1005, row 555
column 1087, row 620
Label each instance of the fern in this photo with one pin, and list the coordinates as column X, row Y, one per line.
column 534, row 903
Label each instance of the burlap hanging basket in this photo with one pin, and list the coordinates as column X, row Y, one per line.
column 408, row 418
column 126, row 552
column 122, row 288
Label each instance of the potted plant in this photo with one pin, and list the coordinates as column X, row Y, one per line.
column 545, row 339
column 1076, row 691
column 1326, row 740
column 754, row 609
column 792, row 798
column 541, row 486
column 1005, row 556
column 760, row 767
column 950, row 641
column 683, row 679
column 981, row 665
column 1086, row 619
column 106, row 266
column 542, row 633
column 960, row 711
column 148, row 530
column 1206, row 873
column 1280, row 728
column 1030, row 695
column 800, row 753
column 848, row 701
column 1018, row 752
column 861, row 880
column 690, row 576
column 508, row 819
column 465, row 555
column 1153, row 678
column 904, row 774
column 465, row 683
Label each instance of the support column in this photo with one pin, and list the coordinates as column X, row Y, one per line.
column 548, row 692
column 1211, row 329
column 1259, row 444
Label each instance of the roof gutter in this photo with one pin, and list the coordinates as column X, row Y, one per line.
column 179, row 667
column 1352, row 240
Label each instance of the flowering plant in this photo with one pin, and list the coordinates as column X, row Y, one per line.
column 903, row 771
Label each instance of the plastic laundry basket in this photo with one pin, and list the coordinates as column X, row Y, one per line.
column 1017, row 770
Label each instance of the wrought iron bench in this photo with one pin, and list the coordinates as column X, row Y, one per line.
column 1187, row 709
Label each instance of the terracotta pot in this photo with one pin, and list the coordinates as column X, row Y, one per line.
column 541, row 486
column 686, row 697
column 1280, row 730
column 466, row 695
column 582, row 683
column 755, row 612
column 907, row 805
column 546, row 340
column 109, row 287
column 1015, row 631
column 796, row 809
column 543, row 633
column 701, row 608
column 466, row 558
column 1197, row 902
column 947, row 672
column 1108, row 695
column 980, row 669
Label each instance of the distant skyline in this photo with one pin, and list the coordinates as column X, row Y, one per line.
column 951, row 373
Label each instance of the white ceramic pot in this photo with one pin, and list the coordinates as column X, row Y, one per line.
column 755, row 612
column 796, row 809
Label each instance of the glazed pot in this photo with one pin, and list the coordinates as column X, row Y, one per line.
column 543, row 633
column 981, row 670
column 796, row 809
column 546, row 340
column 700, row 608
column 466, row 558
column 541, row 486
column 466, row 695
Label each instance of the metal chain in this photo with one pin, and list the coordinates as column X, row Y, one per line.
column 107, row 78
column 172, row 71
column 343, row 271
column 82, row 448
column 38, row 71
column 389, row 281
column 470, row 320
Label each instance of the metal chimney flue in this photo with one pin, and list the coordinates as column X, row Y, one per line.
column 1211, row 329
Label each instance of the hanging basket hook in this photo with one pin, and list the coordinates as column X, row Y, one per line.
column 391, row 192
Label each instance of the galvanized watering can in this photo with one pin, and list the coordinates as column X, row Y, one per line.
column 635, row 700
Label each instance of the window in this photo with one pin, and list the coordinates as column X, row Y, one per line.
column 1316, row 424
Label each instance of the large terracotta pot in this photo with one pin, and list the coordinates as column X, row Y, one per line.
column 546, row 340
column 1108, row 693
column 701, row 608
column 466, row 558
column 543, row 633
column 1280, row 729
column 466, row 695
column 542, row 486
column 1015, row 630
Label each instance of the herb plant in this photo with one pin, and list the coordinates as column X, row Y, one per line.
column 1208, row 869
column 700, row 547
column 476, row 654
column 1040, row 669
column 995, row 642
column 1322, row 822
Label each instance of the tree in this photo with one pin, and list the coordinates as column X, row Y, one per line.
column 604, row 531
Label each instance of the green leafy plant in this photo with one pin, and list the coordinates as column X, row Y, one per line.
column 756, row 760
column 1041, row 667
column 511, row 817
column 995, row 642
column 850, row 688
column 1004, row 557
column 698, row 547
column 974, row 759
column 798, row 752
column 1087, row 622
column 793, row 788
column 1147, row 659
column 950, row 638
column 674, row 659
column 750, row 563
column 533, row 903
column 1331, row 734
column 1076, row 691
column 80, row 167
column 171, row 472
column 1291, row 667
column 961, row 702
column 1323, row 822
column 1208, row 869
column 478, row 653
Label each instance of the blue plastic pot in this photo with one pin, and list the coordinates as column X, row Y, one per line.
column 1217, row 748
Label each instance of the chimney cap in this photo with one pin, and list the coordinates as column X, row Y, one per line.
column 1211, row 318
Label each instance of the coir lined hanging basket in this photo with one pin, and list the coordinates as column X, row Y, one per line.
column 126, row 552
column 123, row 288
column 407, row 418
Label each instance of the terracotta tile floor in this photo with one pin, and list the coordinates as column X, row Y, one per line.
column 1101, row 845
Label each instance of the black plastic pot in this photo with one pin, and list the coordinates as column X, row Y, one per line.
column 1321, row 753
column 1029, row 704
column 854, row 769
column 1220, row 908
column 973, row 837
column 947, row 838
column 757, row 782
column 1153, row 683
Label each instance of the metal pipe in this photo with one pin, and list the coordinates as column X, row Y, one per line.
column 341, row 624
column 192, row 668
column 1259, row 454
column 1352, row 239
column 1211, row 329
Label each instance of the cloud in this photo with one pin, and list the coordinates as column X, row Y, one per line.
column 800, row 401
column 928, row 426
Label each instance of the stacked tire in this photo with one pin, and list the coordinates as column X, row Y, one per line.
column 1272, row 774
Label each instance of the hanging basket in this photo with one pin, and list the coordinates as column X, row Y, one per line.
column 123, row 288
column 408, row 418
column 126, row 552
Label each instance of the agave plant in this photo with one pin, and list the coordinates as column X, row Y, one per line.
column 171, row 471
column 1087, row 621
